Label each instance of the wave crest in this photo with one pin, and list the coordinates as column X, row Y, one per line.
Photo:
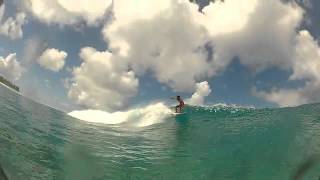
column 139, row 117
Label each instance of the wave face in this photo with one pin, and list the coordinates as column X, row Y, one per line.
column 218, row 142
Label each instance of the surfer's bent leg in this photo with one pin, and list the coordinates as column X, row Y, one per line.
column 177, row 108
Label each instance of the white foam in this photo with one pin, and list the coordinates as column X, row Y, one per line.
column 139, row 117
column 225, row 105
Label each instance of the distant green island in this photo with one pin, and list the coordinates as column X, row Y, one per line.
column 9, row 84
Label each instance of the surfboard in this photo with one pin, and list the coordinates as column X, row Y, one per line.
column 176, row 114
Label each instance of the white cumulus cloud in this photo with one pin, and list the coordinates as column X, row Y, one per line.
column 169, row 39
column 66, row 12
column 102, row 81
column 169, row 54
column 170, row 42
column 267, row 38
column 202, row 90
column 12, row 26
column 53, row 59
column 164, row 39
column 10, row 68
column 305, row 66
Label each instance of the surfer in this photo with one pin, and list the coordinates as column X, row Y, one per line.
column 181, row 104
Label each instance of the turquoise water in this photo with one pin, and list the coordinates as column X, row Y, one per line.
column 222, row 143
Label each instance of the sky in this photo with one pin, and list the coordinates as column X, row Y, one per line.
column 116, row 55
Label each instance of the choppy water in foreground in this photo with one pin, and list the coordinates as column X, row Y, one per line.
column 220, row 143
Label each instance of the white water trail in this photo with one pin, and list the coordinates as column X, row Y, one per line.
column 138, row 117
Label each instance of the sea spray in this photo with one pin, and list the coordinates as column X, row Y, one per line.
column 140, row 117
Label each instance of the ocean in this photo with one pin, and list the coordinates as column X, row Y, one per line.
column 148, row 143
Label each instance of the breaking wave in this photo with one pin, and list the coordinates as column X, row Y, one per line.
column 139, row 117
column 151, row 114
